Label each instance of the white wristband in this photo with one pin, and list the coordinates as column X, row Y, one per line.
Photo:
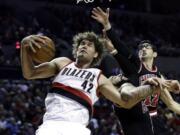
column 107, row 27
column 114, row 52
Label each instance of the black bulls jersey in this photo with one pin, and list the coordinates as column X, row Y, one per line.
column 135, row 121
column 151, row 101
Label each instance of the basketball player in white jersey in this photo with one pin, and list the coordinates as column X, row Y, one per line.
column 76, row 86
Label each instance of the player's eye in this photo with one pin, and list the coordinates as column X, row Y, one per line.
column 90, row 44
column 82, row 43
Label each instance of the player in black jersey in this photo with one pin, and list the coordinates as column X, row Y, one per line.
column 136, row 120
column 144, row 73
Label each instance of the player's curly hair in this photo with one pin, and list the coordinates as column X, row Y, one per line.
column 92, row 37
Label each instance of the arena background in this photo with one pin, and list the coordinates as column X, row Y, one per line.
column 22, row 101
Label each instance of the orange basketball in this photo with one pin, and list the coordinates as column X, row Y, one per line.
column 46, row 52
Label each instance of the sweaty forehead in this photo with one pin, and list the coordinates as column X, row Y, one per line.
column 87, row 40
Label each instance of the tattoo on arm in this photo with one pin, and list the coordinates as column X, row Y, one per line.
column 132, row 95
column 142, row 92
column 135, row 94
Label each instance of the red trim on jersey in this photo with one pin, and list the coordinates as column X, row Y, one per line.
column 73, row 91
column 153, row 70
column 142, row 64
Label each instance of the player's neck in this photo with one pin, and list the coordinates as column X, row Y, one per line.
column 148, row 63
column 82, row 64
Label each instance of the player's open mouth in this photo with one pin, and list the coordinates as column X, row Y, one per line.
column 144, row 53
column 83, row 51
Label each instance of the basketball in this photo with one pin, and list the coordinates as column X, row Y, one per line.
column 46, row 52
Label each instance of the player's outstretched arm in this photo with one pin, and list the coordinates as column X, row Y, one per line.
column 128, row 96
column 169, row 101
column 131, row 94
column 44, row 70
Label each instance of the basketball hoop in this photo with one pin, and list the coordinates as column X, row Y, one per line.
column 86, row 1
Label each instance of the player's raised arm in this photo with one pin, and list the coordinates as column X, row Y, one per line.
column 44, row 70
column 123, row 51
column 103, row 18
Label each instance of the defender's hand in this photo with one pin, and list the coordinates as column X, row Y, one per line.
column 116, row 79
column 174, row 86
column 102, row 17
column 152, row 81
column 157, row 82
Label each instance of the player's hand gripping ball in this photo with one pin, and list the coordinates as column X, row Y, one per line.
column 42, row 48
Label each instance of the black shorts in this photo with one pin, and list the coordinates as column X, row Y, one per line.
column 136, row 128
column 160, row 127
column 133, row 122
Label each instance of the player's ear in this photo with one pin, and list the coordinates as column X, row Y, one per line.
column 140, row 54
column 155, row 54
column 96, row 55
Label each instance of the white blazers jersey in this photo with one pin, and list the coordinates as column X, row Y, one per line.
column 72, row 95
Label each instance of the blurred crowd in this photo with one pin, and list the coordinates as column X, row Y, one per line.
column 22, row 102
column 63, row 24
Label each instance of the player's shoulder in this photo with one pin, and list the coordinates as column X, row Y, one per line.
column 61, row 61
